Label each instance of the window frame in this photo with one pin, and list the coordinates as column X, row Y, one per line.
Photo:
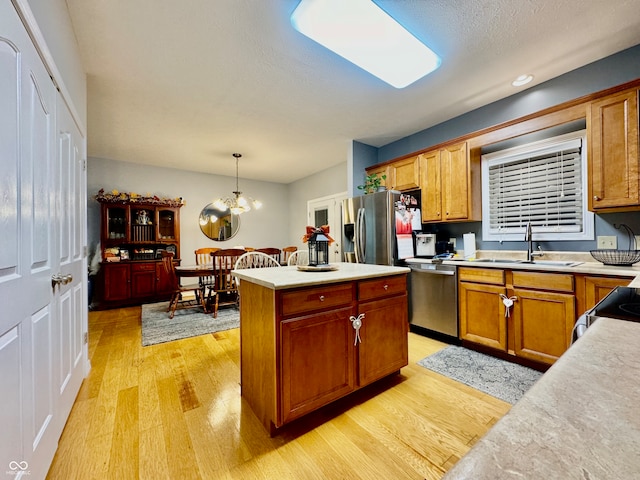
column 534, row 149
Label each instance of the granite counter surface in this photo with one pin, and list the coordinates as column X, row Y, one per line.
column 581, row 420
column 291, row 277
column 588, row 268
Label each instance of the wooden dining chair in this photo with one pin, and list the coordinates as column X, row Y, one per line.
column 224, row 291
column 177, row 299
column 286, row 253
column 272, row 252
column 203, row 257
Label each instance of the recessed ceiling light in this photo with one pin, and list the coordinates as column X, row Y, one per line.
column 368, row 37
column 522, row 80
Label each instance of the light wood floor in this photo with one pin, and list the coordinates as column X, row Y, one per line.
column 174, row 411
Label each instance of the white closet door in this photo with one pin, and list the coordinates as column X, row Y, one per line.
column 70, row 297
column 42, row 231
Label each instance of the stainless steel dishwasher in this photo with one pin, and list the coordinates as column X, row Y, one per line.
column 433, row 297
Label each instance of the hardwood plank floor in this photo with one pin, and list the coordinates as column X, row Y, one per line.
column 174, row 410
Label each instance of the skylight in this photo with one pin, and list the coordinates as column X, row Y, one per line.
column 368, row 37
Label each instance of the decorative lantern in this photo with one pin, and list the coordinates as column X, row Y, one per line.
column 318, row 248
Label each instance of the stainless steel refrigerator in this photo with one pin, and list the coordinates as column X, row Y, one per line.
column 369, row 231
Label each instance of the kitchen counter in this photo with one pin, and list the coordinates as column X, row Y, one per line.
column 579, row 421
column 291, row 277
column 576, row 266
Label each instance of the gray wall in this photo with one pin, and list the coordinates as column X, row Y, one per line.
column 611, row 71
column 608, row 72
column 280, row 222
column 328, row 182
column 54, row 23
column 267, row 227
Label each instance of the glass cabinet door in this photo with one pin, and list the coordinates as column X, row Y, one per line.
column 166, row 224
column 116, row 223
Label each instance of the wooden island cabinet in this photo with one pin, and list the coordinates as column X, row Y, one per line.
column 299, row 345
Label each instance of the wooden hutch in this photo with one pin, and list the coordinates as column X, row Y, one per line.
column 134, row 231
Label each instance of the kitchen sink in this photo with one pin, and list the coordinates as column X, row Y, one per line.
column 496, row 260
column 557, row 263
column 549, row 263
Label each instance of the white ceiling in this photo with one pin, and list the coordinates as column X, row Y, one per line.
column 184, row 84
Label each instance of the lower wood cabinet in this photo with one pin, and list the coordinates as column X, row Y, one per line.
column 542, row 323
column 318, row 361
column 300, row 350
column 537, row 326
column 131, row 283
column 596, row 288
column 481, row 314
column 116, row 282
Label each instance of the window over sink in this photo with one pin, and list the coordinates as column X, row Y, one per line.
column 543, row 183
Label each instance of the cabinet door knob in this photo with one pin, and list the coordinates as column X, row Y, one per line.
column 322, row 298
column 596, row 198
column 386, row 287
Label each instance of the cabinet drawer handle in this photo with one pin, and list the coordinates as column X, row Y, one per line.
column 386, row 287
column 322, row 298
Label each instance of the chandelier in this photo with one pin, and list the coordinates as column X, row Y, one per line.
column 237, row 204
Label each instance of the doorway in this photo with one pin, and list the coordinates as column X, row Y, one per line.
column 328, row 211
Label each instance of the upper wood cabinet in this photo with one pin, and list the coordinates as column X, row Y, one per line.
column 401, row 175
column 450, row 183
column 612, row 124
column 405, row 174
column 380, row 171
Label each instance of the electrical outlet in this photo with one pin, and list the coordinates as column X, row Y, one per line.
column 606, row 241
column 453, row 241
column 637, row 245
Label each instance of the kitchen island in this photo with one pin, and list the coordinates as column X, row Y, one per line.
column 310, row 338
column 579, row 421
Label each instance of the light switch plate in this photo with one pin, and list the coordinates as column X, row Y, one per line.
column 607, row 241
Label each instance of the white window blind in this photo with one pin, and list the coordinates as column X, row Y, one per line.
column 542, row 183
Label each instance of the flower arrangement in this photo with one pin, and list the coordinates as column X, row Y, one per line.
column 115, row 196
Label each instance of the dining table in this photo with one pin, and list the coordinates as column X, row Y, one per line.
column 199, row 270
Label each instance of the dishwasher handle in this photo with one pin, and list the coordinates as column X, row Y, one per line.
column 433, row 272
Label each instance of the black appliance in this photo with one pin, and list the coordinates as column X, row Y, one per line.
column 444, row 247
column 622, row 303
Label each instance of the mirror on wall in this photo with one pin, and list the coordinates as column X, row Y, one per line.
column 218, row 224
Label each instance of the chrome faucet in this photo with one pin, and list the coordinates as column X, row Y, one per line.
column 528, row 238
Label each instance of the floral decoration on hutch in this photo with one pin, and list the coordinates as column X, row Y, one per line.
column 115, row 196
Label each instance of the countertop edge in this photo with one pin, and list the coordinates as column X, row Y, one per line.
column 290, row 277
column 593, row 268
column 578, row 421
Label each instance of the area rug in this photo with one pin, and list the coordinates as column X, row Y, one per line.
column 498, row 378
column 157, row 327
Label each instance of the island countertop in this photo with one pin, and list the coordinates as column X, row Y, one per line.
column 579, row 421
column 291, row 277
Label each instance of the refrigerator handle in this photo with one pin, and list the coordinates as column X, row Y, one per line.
column 360, row 240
